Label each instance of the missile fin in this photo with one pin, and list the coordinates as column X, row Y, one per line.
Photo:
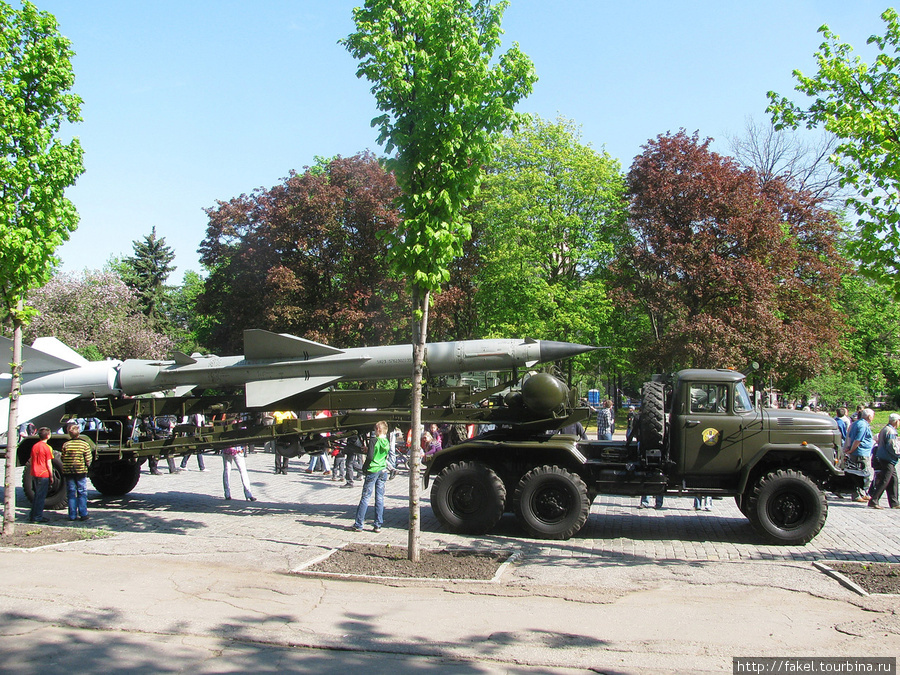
column 182, row 359
column 262, row 344
column 48, row 354
column 266, row 392
column 31, row 406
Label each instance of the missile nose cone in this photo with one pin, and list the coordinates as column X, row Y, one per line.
column 556, row 351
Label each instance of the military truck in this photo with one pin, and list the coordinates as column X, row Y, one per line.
column 699, row 434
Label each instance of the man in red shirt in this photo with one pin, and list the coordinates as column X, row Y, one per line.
column 41, row 475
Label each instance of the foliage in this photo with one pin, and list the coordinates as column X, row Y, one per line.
column 185, row 324
column 860, row 104
column 833, row 389
column 550, row 212
column 146, row 272
column 726, row 269
column 97, row 315
column 429, row 63
column 872, row 338
column 35, row 165
column 302, row 257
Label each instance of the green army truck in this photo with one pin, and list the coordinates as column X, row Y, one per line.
column 699, row 434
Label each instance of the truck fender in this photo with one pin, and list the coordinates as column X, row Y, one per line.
column 495, row 449
column 808, row 453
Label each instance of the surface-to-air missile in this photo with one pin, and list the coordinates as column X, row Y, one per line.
column 274, row 367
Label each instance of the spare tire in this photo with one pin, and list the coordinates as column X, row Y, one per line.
column 653, row 416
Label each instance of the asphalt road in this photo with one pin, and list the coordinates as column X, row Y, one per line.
column 190, row 582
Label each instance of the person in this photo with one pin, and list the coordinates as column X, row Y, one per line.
column 630, row 421
column 645, row 502
column 606, row 422
column 197, row 420
column 704, row 503
column 41, row 475
column 886, row 457
column 352, row 450
column 234, row 456
column 843, row 423
column 281, row 462
column 437, row 439
column 576, row 429
column 375, row 472
column 858, row 454
column 76, row 455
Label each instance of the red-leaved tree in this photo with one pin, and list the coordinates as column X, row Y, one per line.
column 302, row 258
column 727, row 270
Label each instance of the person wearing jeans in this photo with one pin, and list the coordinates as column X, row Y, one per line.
column 234, row 456
column 375, row 472
column 41, row 475
column 76, row 455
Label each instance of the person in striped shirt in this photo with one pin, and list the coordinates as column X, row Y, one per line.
column 76, row 455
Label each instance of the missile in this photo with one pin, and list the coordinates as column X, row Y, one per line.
column 274, row 366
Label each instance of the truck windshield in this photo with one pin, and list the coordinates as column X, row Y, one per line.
column 741, row 398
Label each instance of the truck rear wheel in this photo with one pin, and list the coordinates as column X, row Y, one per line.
column 115, row 478
column 56, row 495
column 552, row 503
column 786, row 507
column 653, row 416
column 468, row 498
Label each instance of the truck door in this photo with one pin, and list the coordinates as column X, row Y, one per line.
column 711, row 435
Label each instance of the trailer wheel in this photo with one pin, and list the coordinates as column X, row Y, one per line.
column 552, row 503
column 56, row 495
column 653, row 416
column 468, row 498
column 115, row 478
column 786, row 507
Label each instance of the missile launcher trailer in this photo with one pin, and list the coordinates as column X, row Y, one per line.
column 699, row 435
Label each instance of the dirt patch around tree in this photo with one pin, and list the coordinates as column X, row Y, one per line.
column 871, row 577
column 373, row 560
column 27, row 535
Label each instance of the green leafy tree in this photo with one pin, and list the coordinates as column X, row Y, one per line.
column 188, row 327
column 860, row 104
column 444, row 98
column 550, row 216
column 36, row 167
column 871, row 341
column 147, row 272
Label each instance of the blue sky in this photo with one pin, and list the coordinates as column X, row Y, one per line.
column 187, row 102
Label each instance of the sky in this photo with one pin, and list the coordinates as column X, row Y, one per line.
column 191, row 102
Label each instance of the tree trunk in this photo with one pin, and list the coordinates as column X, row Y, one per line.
column 420, row 328
column 12, row 433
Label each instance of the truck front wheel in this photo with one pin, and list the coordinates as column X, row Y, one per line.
column 786, row 507
column 552, row 503
column 468, row 498
column 56, row 495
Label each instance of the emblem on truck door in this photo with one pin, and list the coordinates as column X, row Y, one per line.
column 710, row 436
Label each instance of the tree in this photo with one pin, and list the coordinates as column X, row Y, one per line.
column 146, row 272
column 550, row 215
column 302, row 257
column 187, row 326
column 430, row 65
column 860, row 104
column 800, row 162
column 871, row 341
column 35, row 169
column 727, row 269
column 97, row 315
